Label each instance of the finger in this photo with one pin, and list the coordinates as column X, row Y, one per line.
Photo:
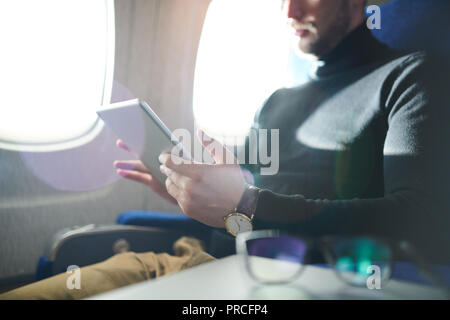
column 175, row 163
column 141, row 177
column 219, row 152
column 181, row 181
column 122, row 145
column 148, row 180
column 136, row 165
column 172, row 189
column 144, row 178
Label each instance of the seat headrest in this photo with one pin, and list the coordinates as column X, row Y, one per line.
column 412, row 25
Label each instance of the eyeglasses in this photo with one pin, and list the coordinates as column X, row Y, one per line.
column 272, row 256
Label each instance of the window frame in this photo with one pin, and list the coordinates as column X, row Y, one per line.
column 95, row 129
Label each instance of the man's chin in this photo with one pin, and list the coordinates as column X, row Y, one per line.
column 305, row 50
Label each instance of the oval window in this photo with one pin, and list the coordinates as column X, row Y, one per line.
column 244, row 55
column 57, row 63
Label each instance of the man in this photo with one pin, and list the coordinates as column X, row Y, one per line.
column 363, row 135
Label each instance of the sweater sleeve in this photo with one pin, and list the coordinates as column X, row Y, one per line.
column 250, row 151
column 415, row 204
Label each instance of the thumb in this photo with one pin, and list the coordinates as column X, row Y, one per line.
column 219, row 152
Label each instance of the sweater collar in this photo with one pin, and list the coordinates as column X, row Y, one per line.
column 357, row 48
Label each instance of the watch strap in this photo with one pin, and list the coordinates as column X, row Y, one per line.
column 248, row 201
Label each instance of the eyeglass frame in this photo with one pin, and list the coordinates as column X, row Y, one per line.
column 397, row 248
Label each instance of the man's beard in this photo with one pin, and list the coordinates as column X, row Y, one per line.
column 324, row 41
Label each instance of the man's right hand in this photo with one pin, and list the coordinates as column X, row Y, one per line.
column 135, row 170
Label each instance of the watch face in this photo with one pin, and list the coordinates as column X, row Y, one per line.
column 236, row 224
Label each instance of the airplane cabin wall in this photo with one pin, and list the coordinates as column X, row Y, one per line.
column 156, row 45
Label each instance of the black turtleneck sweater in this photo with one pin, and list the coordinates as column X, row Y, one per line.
column 364, row 149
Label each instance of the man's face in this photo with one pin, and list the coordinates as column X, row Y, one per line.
column 318, row 25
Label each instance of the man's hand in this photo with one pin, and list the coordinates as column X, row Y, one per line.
column 135, row 170
column 205, row 192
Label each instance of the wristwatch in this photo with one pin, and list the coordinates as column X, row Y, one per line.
column 240, row 219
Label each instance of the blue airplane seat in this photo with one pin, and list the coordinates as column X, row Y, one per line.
column 167, row 221
column 413, row 25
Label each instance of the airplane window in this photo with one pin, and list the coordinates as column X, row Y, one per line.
column 244, row 55
column 56, row 67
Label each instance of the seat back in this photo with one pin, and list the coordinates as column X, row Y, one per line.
column 413, row 25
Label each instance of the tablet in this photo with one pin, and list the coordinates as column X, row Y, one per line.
column 135, row 123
